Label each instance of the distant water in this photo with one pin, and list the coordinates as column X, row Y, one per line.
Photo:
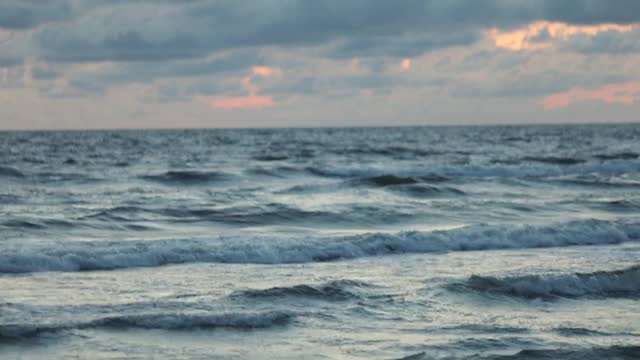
column 380, row 243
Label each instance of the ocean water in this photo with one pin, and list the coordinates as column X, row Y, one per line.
column 376, row 243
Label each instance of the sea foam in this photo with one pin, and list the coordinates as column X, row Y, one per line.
column 601, row 284
column 84, row 256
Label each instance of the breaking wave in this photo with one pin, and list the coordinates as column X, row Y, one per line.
column 336, row 290
column 10, row 172
column 602, row 284
column 546, row 168
column 163, row 321
column 616, row 352
column 85, row 256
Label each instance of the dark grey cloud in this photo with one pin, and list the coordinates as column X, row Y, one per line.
column 9, row 61
column 606, row 42
column 25, row 14
column 306, row 85
column 590, row 11
column 44, row 73
column 202, row 41
column 238, row 62
column 408, row 46
column 359, row 27
column 536, row 83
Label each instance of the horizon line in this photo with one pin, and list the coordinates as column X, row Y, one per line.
column 325, row 127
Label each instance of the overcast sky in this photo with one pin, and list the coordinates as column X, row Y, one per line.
column 219, row 63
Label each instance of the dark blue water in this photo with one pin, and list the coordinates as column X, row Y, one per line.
column 455, row 242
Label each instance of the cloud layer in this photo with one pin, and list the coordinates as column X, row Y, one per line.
column 277, row 59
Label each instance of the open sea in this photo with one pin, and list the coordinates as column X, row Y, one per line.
column 496, row 242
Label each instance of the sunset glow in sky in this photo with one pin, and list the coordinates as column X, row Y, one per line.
column 222, row 63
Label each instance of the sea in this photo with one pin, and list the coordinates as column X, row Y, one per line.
column 460, row 242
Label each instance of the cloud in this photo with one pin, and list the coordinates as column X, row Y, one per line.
column 241, row 102
column 25, row 14
column 606, row 42
column 534, row 82
column 162, row 30
column 405, row 64
column 209, row 71
column 267, row 71
column 254, row 55
column 540, row 34
column 9, row 61
column 624, row 93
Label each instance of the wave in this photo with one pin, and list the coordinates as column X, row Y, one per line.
column 615, row 167
column 554, row 160
column 36, row 223
column 412, row 186
column 270, row 157
column 632, row 205
column 592, row 180
column 276, row 172
column 185, row 177
column 267, row 214
column 616, row 352
column 618, row 156
column 337, row 290
column 427, row 191
column 10, row 172
column 85, row 256
column 399, row 152
column 578, row 331
column 602, row 284
column 417, row 356
column 162, row 321
column 52, row 176
column 387, row 180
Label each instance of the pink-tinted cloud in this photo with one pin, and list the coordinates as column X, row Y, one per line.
column 241, row 102
column 266, row 71
column 406, row 64
column 521, row 39
column 625, row 93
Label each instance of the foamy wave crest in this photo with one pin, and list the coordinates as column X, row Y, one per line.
column 601, row 284
column 173, row 321
column 82, row 256
column 336, row 290
column 618, row 352
column 544, row 169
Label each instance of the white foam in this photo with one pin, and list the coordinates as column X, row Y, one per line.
column 615, row 167
column 619, row 283
column 79, row 256
column 164, row 321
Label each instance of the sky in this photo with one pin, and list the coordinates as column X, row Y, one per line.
column 85, row 64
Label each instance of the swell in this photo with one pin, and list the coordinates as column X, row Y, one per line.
column 187, row 177
column 85, row 256
column 267, row 214
column 618, row 156
column 6, row 171
column 590, row 180
column 623, row 283
column 413, row 186
column 615, row 352
column 543, row 169
column 337, row 290
column 554, row 160
column 270, row 157
column 163, row 321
